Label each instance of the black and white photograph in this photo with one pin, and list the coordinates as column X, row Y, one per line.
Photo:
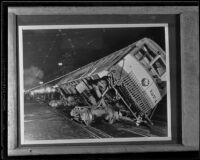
column 94, row 83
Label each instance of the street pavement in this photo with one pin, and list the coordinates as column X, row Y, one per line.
column 41, row 122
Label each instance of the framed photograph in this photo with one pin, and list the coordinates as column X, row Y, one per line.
column 94, row 83
column 100, row 82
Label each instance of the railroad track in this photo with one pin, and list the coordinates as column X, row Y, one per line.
column 134, row 129
column 131, row 129
column 141, row 133
column 98, row 133
column 94, row 132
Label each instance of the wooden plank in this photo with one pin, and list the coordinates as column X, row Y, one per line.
column 12, row 83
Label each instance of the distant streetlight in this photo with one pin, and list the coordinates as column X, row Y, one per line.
column 41, row 82
column 60, row 63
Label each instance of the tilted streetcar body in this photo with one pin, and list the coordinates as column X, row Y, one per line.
column 127, row 84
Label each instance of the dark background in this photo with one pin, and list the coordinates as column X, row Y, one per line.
column 44, row 49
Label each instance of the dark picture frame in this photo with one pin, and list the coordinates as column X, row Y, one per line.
column 176, row 69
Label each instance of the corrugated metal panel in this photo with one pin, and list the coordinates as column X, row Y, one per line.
column 134, row 89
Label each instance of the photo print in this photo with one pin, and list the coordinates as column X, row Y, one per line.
column 94, row 83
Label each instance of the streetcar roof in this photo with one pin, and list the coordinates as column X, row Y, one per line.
column 96, row 67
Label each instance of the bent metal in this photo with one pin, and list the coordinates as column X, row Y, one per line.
column 127, row 84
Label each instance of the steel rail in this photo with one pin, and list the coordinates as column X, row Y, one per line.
column 96, row 133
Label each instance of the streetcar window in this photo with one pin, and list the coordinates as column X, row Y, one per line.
column 151, row 53
column 138, row 55
column 63, row 91
column 146, row 54
column 144, row 60
column 159, row 67
column 65, row 87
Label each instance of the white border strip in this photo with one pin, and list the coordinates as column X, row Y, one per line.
column 168, row 82
column 86, row 26
column 59, row 141
column 21, row 80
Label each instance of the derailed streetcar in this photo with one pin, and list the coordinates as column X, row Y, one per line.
column 127, row 84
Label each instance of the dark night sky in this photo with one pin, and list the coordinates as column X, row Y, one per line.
column 44, row 49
